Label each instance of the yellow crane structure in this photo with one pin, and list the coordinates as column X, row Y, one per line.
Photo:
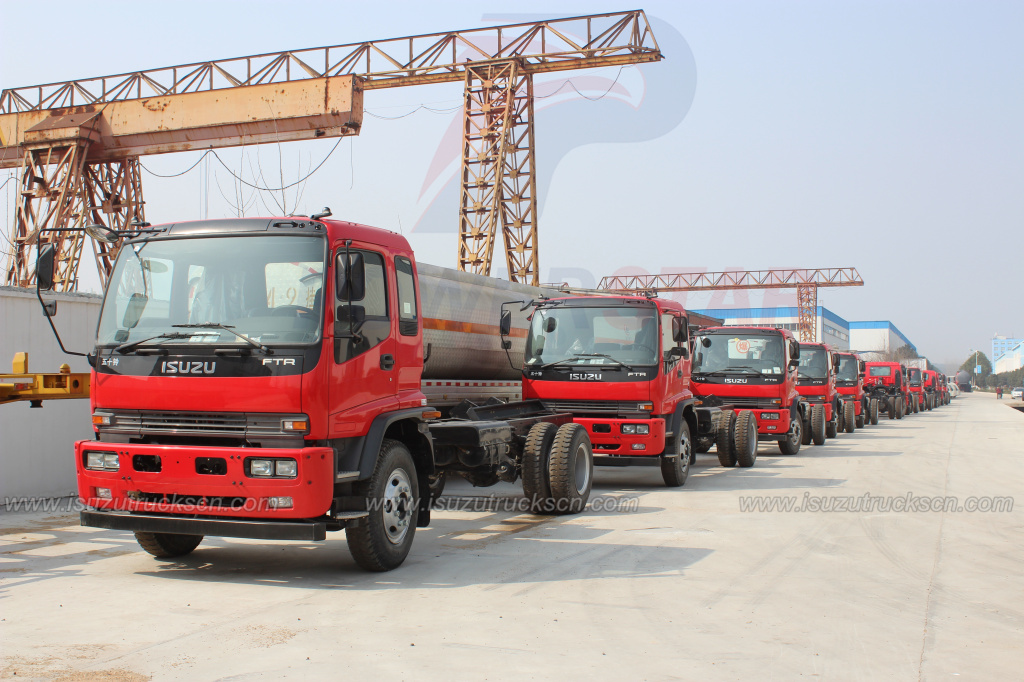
column 78, row 143
column 35, row 388
column 805, row 281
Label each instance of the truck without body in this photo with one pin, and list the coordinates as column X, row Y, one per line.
column 886, row 383
column 817, row 384
column 915, row 388
column 750, row 374
column 858, row 409
column 277, row 378
column 620, row 365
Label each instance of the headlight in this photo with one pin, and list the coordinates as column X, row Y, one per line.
column 261, row 467
column 102, row 461
column 643, row 428
column 629, row 428
column 286, row 467
column 769, row 415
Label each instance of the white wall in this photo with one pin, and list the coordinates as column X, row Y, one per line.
column 37, row 444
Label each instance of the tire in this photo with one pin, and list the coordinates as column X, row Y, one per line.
column 745, row 438
column 859, row 421
column 168, row 545
column 901, row 408
column 536, row 455
column 794, row 438
column 832, row 428
column 873, row 411
column 805, row 431
column 384, row 539
column 891, row 408
column 818, row 424
column 850, row 418
column 702, row 444
column 724, row 440
column 674, row 470
column 571, row 469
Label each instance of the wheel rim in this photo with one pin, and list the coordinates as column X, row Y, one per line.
column 685, row 450
column 397, row 509
column 581, row 470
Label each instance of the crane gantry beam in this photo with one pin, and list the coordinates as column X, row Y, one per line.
column 99, row 127
column 805, row 281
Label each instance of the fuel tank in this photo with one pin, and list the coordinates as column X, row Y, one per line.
column 461, row 314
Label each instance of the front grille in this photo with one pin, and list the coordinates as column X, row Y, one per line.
column 618, row 408
column 250, row 426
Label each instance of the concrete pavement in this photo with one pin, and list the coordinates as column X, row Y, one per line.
column 683, row 586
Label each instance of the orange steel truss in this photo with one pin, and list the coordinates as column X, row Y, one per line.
column 306, row 94
column 805, row 281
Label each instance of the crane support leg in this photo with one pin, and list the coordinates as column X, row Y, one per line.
column 498, row 180
column 807, row 305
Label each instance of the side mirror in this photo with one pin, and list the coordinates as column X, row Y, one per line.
column 862, row 366
column 349, row 321
column 550, row 324
column 350, row 277
column 505, row 325
column 706, row 342
column 678, row 352
column 679, row 329
column 133, row 312
column 794, row 351
column 45, row 267
column 835, row 363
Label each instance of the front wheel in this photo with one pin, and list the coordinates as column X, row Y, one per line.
column 849, row 416
column 818, row 424
column 384, row 539
column 674, row 470
column 168, row 545
column 794, row 438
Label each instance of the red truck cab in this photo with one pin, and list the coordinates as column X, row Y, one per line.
column 750, row 374
column 850, row 385
column 621, row 366
column 915, row 390
column 817, row 385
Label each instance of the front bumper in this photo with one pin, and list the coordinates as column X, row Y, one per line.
column 178, row 488
column 224, row 528
column 607, row 438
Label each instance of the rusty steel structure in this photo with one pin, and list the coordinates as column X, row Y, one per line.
column 805, row 281
column 99, row 127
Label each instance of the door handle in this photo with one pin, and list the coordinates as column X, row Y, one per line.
column 387, row 361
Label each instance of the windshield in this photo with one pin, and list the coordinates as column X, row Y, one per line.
column 914, row 374
column 813, row 363
column 880, row 371
column 740, row 352
column 848, row 368
column 583, row 335
column 266, row 288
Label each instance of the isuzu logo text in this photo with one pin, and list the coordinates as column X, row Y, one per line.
column 584, row 376
column 735, row 381
column 186, row 367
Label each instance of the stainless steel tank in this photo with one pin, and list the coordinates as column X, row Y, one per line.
column 461, row 313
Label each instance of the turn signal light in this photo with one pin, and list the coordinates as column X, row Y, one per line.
column 647, row 407
column 295, row 425
column 431, row 414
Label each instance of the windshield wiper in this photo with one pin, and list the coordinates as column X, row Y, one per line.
column 229, row 328
column 132, row 345
column 732, row 370
column 603, row 355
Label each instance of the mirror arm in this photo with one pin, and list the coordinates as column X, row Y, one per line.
column 352, row 331
column 49, row 319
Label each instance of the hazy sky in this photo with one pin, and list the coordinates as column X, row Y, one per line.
column 886, row 136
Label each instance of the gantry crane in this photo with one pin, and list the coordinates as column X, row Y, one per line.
column 806, row 283
column 78, row 143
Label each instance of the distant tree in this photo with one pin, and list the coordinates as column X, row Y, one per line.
column 982, row 361
column 905, row 352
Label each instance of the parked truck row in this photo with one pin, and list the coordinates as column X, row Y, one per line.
column 279, row 378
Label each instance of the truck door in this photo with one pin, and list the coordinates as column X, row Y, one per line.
column 677, row 375
column 363, row 366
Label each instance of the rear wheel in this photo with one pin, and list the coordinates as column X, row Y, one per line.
column 873, row 411
column 818, row 424
column 745, row 438
column 674, row 470
column 725, row 439
column 891, row 408
column 900, row 408
column 167, row 545
column 571, row 469
column 833, row 427
column 437, row 482
column 384, row 539
column 794, row 438
column 850, row 419
column 805, row 437
column 702, row 444
column 536, row 453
